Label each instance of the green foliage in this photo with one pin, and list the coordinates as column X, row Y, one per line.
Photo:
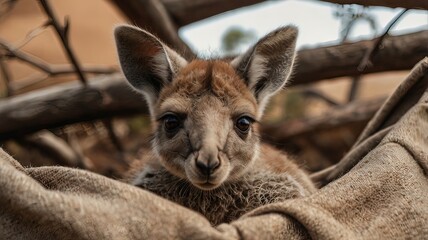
column 235, row 37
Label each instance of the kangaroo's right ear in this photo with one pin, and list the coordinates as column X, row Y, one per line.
column 147, row 63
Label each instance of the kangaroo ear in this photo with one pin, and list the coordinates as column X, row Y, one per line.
column 266, row 66
column 147, row 63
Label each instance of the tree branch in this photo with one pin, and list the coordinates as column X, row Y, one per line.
column 25, row 57
column 398, row 53
column 6, row 76
column 50, row 70
column 153, row 16
column 110, row 96
column 318, row 95
column 201, row 9
column 68, row 103
column 412, row 4
column 63, row 35
column 367, row 59
column 56, row 70
column 55, row 147
column 366, row 62
column 349, row 114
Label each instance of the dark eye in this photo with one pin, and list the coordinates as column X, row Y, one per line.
column 243, row 124
column 171, row 123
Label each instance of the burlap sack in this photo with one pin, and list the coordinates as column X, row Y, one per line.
column 380, row 191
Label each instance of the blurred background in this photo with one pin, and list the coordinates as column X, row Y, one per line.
column 64, row 101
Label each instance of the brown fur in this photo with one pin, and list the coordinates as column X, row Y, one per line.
column 207, row 98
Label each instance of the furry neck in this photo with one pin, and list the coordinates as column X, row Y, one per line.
column 229, row 201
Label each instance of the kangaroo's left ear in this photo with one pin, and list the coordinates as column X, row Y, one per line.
column 266, row 66
column 147, row 63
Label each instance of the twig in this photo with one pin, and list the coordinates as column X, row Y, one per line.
column 55, row 147
column 6, row 6
column 63, row 35
column 366, row 61
column 36, row 62
column 73, row 141
column 108, row 124
column 153, row 15
column 51, row 70
column 317, row 94
column 56, row 70
column 353, row 90
column 32, row 34
column 355, row 112
column 29, row 81
column 11, row 51
column 6, row 76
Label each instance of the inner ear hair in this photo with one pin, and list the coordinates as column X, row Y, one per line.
column 147, row 63
column 267, row 65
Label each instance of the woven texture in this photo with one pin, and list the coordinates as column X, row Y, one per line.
column 378, row 191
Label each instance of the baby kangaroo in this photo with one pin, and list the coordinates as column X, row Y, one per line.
column 206, row 151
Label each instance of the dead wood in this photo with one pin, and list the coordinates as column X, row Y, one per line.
column 396, row 53
column 201, row 9
column 412, row 4
column 349, row 114
column 109, row 96
column 63, row 104
column 154, row 17
column 55, row 148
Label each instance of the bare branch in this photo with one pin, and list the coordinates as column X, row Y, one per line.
column 62, row 34
column 153, row 16
column 110, row 96
column 366, row 61
column 11, row 51
column 50, row 70
column 32, row 34
column 56, row 70
column 370, row 53
column 108, row 124
column 317, row 94
column 412, row 4
column 353, row 90
column 346, row 115
column 63, row 104
column 398, row 53
column 6, row 6
column 29, row 81
column 75, row 145
column 6, row 76
column 180, row 9
column 54, row 146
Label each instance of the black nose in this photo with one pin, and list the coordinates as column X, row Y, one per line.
column 207, row 168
